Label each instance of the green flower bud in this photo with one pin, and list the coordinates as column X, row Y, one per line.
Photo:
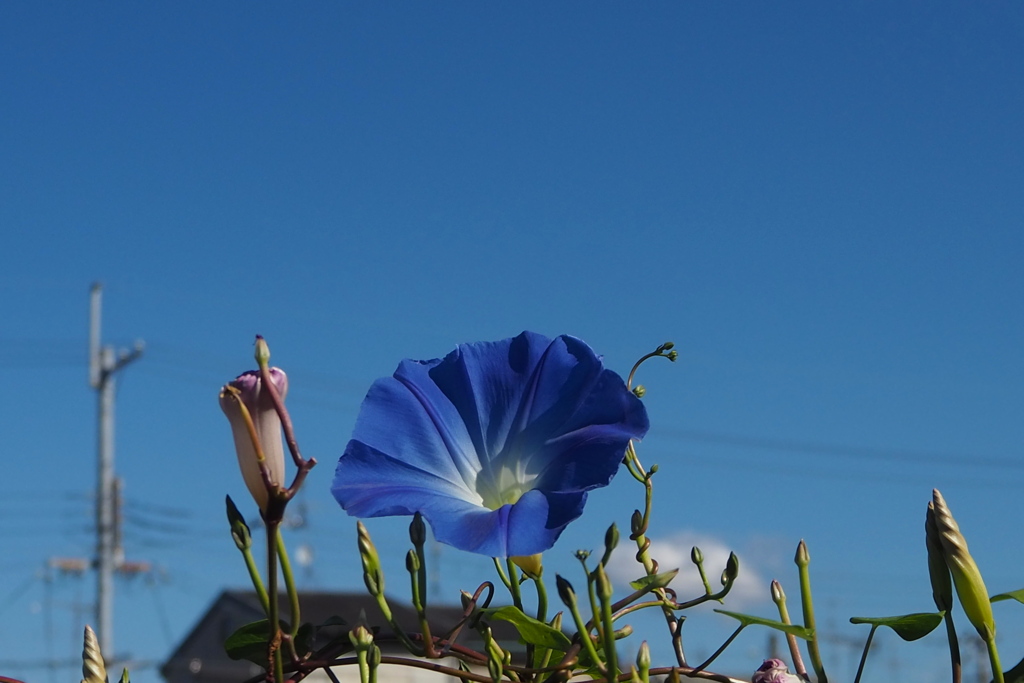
column 361, row 638
column 639, row 390
column 803, row 558
column 93, row 669
column 565, row 591
column 696, row 556
column 373, row 576
column 412, row 562
column 636, row 523
column 262, row 354
column 611, row 540
column 938, row 572
column 732, row 569
column 604, row 584
column 417, row 530
column 239, row 529
column 970, row 587
column 643, row 657
column 778, row 595
column 531, row 565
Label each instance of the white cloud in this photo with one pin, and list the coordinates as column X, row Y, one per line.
column 673, row 552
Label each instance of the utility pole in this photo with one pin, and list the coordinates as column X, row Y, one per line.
column 103, row 367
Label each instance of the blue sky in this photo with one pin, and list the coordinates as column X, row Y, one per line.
column 820, row 205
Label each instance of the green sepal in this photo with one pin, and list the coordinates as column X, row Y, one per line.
column 654, row 581
column 907, row 626
column 250, row 641
column 1017, row 595
column 124, row 676
column 749, row 620
column 531, row 631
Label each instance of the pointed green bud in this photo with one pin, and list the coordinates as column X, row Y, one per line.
column 565, row 591
column 643, row 657
column 466, row 600
column 375, row 655
column 417, row 530
column 667, row 346
column 556, row 622
column 611, row 540
column 262, row 355
column 373, row 576
column 124, row 676
column 639, row 390
column 732, row 569
column 636, row 523
column 361, row 638
column 696, row 556
column 970, row 587
column 604, row 584
column 412, row 562
column 239, row 529
column 938, row 572
column 93, row 669
column 778, row 595
column 803, row 558
column 673, row 356
column 654, row 469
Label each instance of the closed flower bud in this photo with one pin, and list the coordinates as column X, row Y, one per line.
column 966, row 576
column 696, row 556
column 247, row 390
column 93, row 668
column 732, row 569
column 417, row 530
column 361, row 638
column 643, row 657
column 938, row 572
column 774, row 671
column 530, row 564
column 565, row 591
column 604, row 584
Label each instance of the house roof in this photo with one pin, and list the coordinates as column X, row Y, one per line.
column 200, row 656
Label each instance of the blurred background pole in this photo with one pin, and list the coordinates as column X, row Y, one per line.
column 103, row 366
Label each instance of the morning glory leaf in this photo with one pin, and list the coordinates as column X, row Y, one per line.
column 653, row 582
column 532, row 631
column 750, row 620
column 908, row 626
column 1017, row 595
column 249, row 642
column 496, row 444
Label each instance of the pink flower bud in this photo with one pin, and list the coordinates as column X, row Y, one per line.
column 267, row 425
column 774, row 671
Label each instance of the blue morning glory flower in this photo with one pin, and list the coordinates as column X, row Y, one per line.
column 496, row 445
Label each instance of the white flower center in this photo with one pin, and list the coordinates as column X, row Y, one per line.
column 504, row 485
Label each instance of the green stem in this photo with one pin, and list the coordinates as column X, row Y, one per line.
column 954, row 647
column 610, row 654
column 864, row 655
column 584, row 634
column 273, row 618
column 808, row 608
column 542, row 599
column 993, row 657
column 501, row 574
column 720, row 650
column 513, row 583
column 289, row 583
column 257, row 580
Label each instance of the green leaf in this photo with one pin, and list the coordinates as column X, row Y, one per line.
column 333, row 621
column 249, row 642
column 1017, row 595
column 532, row 631
column 654, row 582
column 749, row 620
column 908, row 626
